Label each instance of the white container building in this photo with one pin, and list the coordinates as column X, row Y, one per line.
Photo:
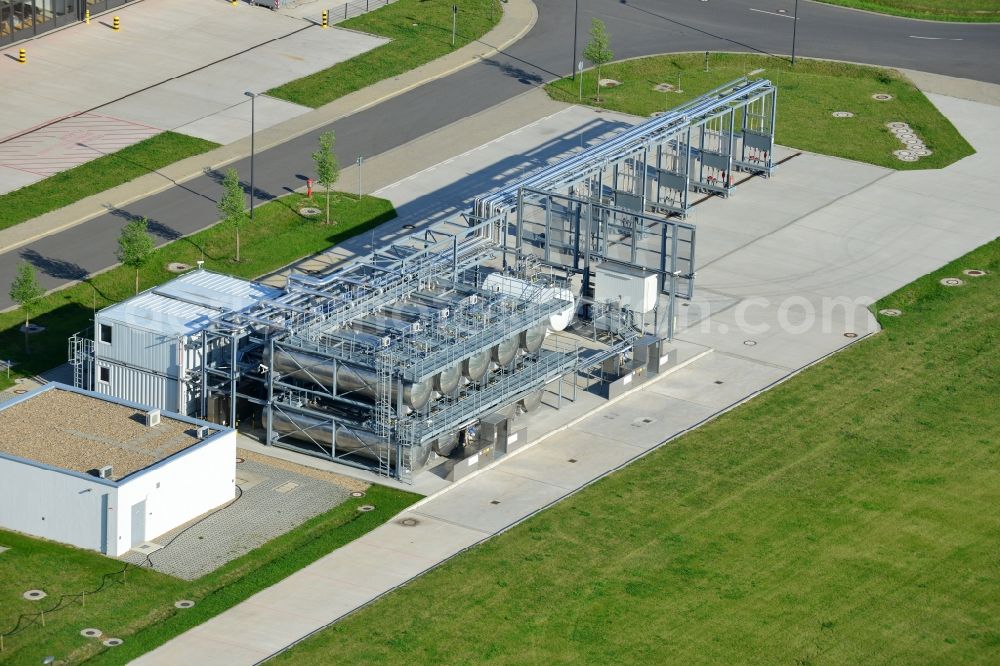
column 146, row 346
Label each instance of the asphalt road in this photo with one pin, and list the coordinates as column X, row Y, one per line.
column 637, row 27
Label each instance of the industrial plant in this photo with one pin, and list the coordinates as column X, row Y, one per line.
column 430, row 347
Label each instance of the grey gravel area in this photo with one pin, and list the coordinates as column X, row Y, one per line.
column 274, row 501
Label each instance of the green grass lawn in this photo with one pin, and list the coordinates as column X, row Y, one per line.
column 98, row 175
column 139, row 609
column 278, row 237
column 847, row 516
column 420, row 31
column 807, row 95
column 937, row 10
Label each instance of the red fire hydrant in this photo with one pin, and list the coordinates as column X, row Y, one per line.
column 309, row 187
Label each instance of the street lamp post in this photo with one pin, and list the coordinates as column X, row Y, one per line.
column 576, row 23
column 253, row 100
column 795, row 30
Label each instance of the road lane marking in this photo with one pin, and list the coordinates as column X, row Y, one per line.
column 950, row 39
column 772, row 13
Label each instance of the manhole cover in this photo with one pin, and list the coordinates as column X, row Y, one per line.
column 750, row 343
column 842, row 114
column 409, row 522
column 178, row 267
column 882, row 97
column 357, row 493
column 365, row 508
column 494, row 501
column 952, row 282
column 309, row 211
column 905, row 155
column 901, row 130
column 112, row 642
column 850, row 335
column 34, row 595
column 897, row 125
column 609, row 83
column 571, row 460
column 921, row 152
column 20, row 391
column 912, row 141
column 974, row 272
column 906, row 136
column 90, row 632
column 240, row 461
column 664, row 87
column 184, row 603
column 890, row 312
column 409, row 226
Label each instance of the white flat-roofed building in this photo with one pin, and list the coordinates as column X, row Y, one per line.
column 104, row 473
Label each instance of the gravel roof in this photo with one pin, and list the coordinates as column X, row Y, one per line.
column 82, row 433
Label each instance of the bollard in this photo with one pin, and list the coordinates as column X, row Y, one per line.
column 116, row 24
column 309, row 187
column 22, row 56
column 86, row 17
column 326, row 19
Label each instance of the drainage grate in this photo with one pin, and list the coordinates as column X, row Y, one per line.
column 365, row 508
column 147, row 547
column 34, row 595
column 850, row 335
column 898, row 125
column 842, row 114
column 357, row 493
column 409, row 522
column 718, row 381
column 112, row 642
column 494, row 501
column 750, row 343
column 952, row 282
column 184, row 603
column 571, row 460
column 971, row 272
column 91, row 632
column 882, row 97
column 890, row 312
column 240, row 461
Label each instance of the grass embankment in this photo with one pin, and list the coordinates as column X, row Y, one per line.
column 807, row 96
column 846, row 516
column 278, row 237
column 98, row 175
column 140, row 610
column 934, row 10
column 420, row 31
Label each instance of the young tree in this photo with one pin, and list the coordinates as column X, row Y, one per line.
column 25, row 291
column 135, row 245
column 233, row 205
column 327, row 170
column 598, row 49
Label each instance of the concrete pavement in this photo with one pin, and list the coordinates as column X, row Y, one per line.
column 774, row 257
column 519, row 17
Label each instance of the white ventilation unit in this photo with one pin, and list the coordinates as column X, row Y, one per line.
column 201, row 432
column 152, row 417
column 105, row 472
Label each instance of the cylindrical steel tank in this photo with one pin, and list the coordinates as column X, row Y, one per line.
column 445, row 443
column 526, row 291
column 350, row 439
column 351, row 379
column 531, row 402
column 531, row 340
column 446, row 381
column 505, row 351
column 476, row 366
